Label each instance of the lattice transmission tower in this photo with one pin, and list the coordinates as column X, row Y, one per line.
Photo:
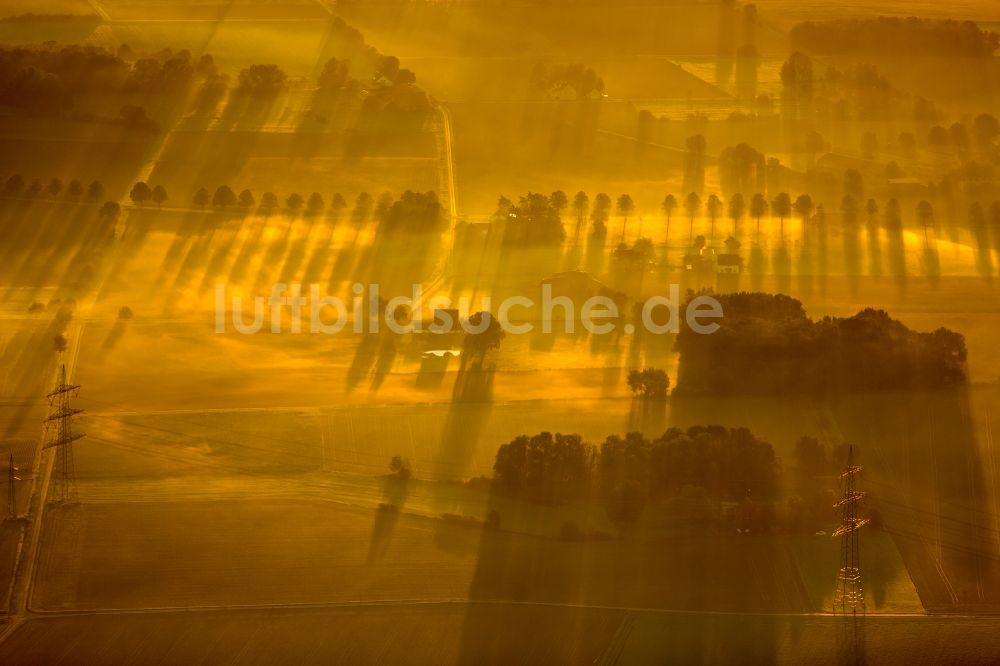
column 59, row 435
column 849, row 598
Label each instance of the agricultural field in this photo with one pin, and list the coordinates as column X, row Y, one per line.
column 295, row 496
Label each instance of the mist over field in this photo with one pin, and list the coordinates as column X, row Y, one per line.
column 524, row 331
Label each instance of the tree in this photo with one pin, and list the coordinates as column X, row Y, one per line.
column 337, row 204
column 95, row 190
column 736, row 209
column 581, row 203
column 692, row 204
column 399, row 468
column 758, row 208
column 223, row 197
column 159, row 195
column 334, row 74
column 201, row 198
column 804, row 207
column 925, row 213
column 599, row 213
column 35, row 188
column 14, row 185
column 245, row 199
column 649, row 383
column 782, row 207
column 268, row 202
column 315, row 203
column 55, row 187
column 140, row 193
column 486, row 340
column 797, row 76
column 109, row 212
column 625, row 208
column 669, row 205
column 713, row 205
column 559, row 201
column 75, row 189
column 294, row 202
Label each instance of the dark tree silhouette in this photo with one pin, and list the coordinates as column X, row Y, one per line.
column 95, row 190
column 14, row 185
column 55, row 187
column 261, row 81
column 581, row 203
column 140, row 193
column 268, row 202
column 159, row 195
column 736, row 209
column 600, row 212
column 713, row 206
column 625, row 208
column 486, row 340
column 669, row 205
column 782, row 207
column 559, row 201
column 201, row 198
column 294, row 202
column 315, row 203
column 649, row 383
column 804, row 207
column 75, row 189
column 245, row 199
column 223, row 197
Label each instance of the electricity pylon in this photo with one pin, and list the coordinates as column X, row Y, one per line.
column 59, row 435
column 849, row 598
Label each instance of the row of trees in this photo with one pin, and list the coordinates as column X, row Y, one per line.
column 537, row 218
column 626, row 472
column 15, row 186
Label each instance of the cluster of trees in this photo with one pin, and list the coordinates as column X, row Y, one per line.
column 626, row 472
column 551, row 80
column 141, row 193
column 261, row 81
column 391, row 89
column 49, row 82
column 15, row 186
column 904, row 36
column 536, row 219
column 767, row 345
column 649, row 383
column 415, row 211
column 165, row 72
column 44, row 81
